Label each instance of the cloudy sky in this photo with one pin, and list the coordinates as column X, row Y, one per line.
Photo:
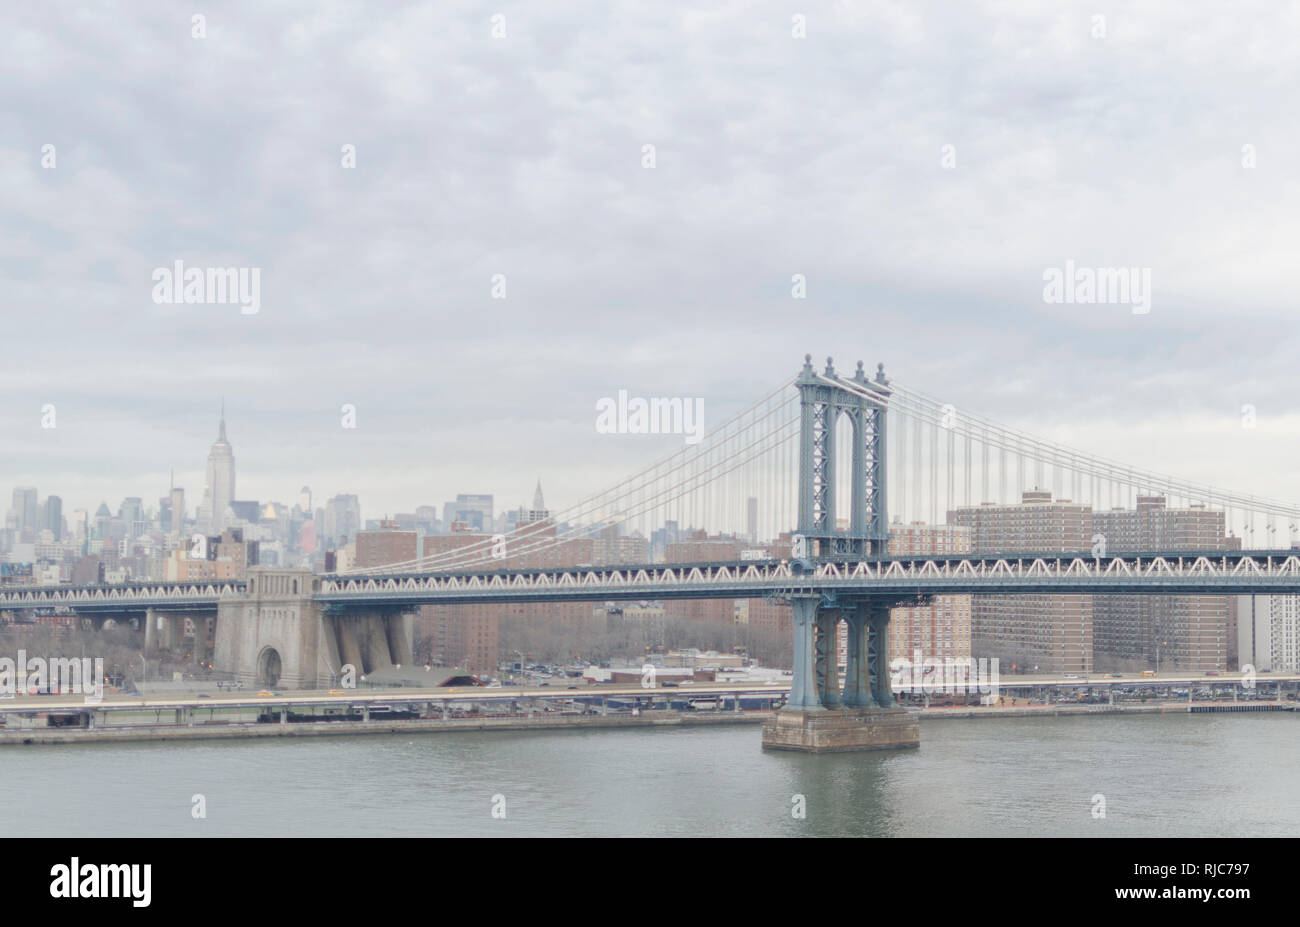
column 522, row 155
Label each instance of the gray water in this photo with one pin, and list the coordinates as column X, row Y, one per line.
column 1160, row 775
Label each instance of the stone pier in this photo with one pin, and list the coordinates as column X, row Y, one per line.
column 842, row 730
column 822, row 717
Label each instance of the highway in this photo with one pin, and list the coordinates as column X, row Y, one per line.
column 360, row 697
column 402, row 696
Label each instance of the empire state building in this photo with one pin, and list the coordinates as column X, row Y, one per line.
column 219, row 489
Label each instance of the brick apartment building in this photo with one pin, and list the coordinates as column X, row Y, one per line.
column 1052, row 633
column 1189, row 633
column 942, row 629
column 699, row 547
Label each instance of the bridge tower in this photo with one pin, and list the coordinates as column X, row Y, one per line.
column 823, row 398
column 820, row 714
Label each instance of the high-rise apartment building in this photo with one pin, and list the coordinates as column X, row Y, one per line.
column 1031, row 633
column 1188, row 633
column 610, row 548
column 386, row 546
column 699, row 547
column 940, row 630
column 459, row 635
column 1268, row 629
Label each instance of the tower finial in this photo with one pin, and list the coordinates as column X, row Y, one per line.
column 221, row 434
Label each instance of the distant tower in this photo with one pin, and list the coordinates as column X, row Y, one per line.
column 219, row 490
column 538, row 511
column 178, row 506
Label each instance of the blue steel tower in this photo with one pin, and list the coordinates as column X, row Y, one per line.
column 824, row 398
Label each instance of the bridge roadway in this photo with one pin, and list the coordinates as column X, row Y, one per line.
column 1150, row 573
column 1144, row 573
column 489, row 694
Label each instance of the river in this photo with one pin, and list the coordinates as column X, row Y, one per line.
column 1157, row 775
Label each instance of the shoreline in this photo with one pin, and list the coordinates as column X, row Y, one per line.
column 128, row 733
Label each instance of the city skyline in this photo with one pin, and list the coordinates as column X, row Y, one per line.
column 864, row 419
column 495, row 508
column 196, row 495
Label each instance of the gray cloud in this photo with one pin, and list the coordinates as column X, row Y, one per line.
column 521, row 156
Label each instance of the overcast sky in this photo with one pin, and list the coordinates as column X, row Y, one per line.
column 523, row 156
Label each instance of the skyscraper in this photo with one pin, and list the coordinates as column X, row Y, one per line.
column 24, row 511
column 473, row 510
column 219, row 489
column 342, row 520
column 178, row 510
column 538, row 512
column 54, row 516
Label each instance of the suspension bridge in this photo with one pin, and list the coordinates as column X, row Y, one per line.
column 807, row 476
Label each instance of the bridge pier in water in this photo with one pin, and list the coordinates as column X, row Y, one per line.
column 820, row 715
